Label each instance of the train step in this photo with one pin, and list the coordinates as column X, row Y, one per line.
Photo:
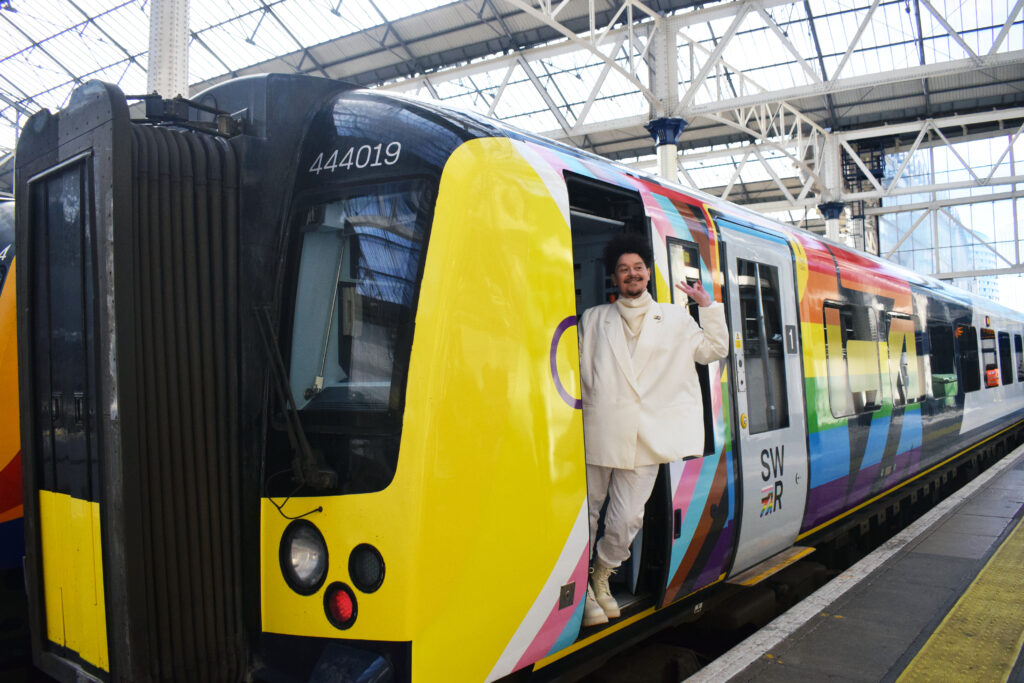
column 775, row 563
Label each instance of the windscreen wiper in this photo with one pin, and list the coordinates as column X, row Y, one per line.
column 307, row 469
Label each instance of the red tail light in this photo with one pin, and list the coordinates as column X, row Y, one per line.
column 340, row 605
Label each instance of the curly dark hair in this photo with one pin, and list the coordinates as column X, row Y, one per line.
column 626, row 243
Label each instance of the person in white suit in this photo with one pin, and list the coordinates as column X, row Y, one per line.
column 641, row 402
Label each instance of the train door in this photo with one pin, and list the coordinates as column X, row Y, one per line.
column 768, row 393
column 598, row 212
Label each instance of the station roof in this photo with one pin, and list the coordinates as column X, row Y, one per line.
column 964, row 58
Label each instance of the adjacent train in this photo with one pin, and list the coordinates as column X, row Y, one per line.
column 12, row 533
column 300, row 388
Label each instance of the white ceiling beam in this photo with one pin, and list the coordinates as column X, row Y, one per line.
column 698, row 82
column 895, row 76
column 856, row 39
column 938, row 203
column 943, row 122
column 589, row 42
column 889, row 78
column 1013, row 270
column 930, row 187
column 998, row 42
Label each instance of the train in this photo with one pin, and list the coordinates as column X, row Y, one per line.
column 300, row 391
column 12, row 531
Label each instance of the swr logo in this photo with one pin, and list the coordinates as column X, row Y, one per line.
column 771, row 473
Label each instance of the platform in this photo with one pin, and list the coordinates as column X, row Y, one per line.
column 942, row 600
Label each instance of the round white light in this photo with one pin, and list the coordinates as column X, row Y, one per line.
column 303, row 557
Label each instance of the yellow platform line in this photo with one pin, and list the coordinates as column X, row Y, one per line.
column 981, row 637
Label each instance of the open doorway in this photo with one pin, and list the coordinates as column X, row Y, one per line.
column 600, row 211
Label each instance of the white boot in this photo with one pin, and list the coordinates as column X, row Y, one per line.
column 593, row 613
column 599, row 581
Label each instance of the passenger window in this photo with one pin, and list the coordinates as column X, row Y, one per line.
column 988, row 357
column 967, row 352
column 851, row 351
column 684, row 264
column 1005, row 361
column 904, row 374
column 1018, row 345
column 763, row 346
column 942, row 353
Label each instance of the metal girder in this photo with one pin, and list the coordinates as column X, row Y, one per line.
column 597, row 36
column 892, row 187
column 306, row 54
column 35, row 44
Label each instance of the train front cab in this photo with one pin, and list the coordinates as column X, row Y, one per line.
column 422, row 321
column 459, row 510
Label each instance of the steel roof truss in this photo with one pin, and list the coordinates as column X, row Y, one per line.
column 771, row 171
column 855, row 40
column 598, row 83
column 953, row 33
column 39, row 46
column 735, row 175
column 713, row 61
column 545, row 95
column 788, row 44
column 981, row 240
column 588, row 42
column 998, row 42
column 501, row 89
column 863, row 167
column 907, row 234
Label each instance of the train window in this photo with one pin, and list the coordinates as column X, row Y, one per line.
column 1018, row 346
column 354, row 300
column 764, row 346
column 941, row 353
column 967, row 352
column 684, row 264
column 1005, row 361
column 851, row 352
column 988, row 357
column 904, row 375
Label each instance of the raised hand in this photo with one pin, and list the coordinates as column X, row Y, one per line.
column 696, row 292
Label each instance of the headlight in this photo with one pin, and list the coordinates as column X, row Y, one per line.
column 303, row 557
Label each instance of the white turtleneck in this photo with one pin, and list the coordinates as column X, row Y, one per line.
column 633, row 312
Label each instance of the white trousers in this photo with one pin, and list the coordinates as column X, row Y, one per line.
column 627, row 492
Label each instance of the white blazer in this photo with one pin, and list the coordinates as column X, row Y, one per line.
column 646, row 409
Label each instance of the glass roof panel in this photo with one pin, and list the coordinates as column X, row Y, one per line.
column 48, row 43
column 43, row 35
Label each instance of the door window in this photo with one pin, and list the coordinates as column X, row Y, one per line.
column 763, row 346
column 684, row 264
